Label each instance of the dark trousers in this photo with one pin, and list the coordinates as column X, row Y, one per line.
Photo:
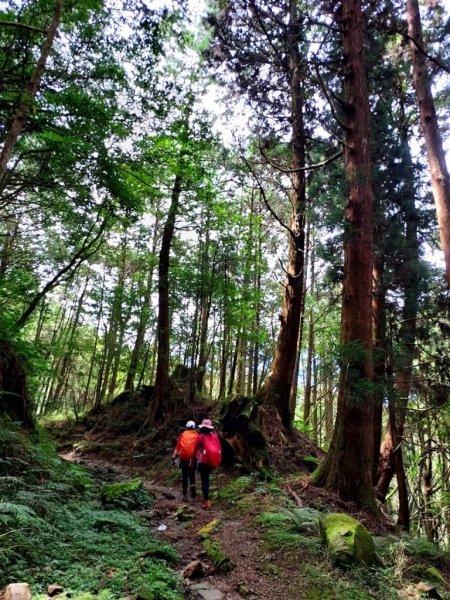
column 205, row 471
column 187, row 475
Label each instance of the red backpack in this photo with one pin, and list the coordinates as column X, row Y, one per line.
column 212, row 452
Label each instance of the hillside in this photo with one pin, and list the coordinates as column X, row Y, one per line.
column 261, row 541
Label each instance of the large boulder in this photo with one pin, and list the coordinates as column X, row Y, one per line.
column 347, row 540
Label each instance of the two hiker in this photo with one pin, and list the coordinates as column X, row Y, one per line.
column 204, row 451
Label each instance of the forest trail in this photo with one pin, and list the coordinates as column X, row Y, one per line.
column 257, row 572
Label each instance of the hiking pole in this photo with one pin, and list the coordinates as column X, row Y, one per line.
column 217, row 484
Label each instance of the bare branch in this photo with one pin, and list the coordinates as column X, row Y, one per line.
column 264, row 197
column 22, row 26
column 437, row 61
column 312, row 167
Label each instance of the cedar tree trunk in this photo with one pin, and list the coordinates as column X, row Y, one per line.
column 440, row 180
column 348, row 465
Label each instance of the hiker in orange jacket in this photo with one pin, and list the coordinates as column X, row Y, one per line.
column 185, row 451
column 208, row 453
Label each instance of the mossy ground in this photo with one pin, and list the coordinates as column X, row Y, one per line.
column 54, row 529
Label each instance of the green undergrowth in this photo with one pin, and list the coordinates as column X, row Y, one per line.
column 54, row 529
column 296, row 531
column 248, row 493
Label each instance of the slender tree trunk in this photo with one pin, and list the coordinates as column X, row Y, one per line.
column 426, row 484
column 123, row 319
column 348, row 465
column 234, row 364
column 329, row 402
column 277, row 389
column 257, row 325
column 380, row 349
column 69, row 347
column 440, row 180
column 111, row 339
column 26, row 102
column 314, row 402
column 163, row 324
column 391, row 459
column 143, row 318
column 308, row 371
column 293, row 399
column 203, row 354
column 11, row 237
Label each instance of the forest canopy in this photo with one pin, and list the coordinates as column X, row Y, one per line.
column 254, row 195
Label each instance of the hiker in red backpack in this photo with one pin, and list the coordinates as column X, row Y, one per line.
column 185, row 451
column 209, row 455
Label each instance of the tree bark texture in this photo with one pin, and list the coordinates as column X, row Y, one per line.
column 440, row 180
column 278, row 386
column 163, row 322
column 348, row 465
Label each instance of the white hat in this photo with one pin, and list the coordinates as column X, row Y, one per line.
column 190, row 425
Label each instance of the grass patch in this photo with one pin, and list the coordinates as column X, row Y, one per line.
column 282, row 531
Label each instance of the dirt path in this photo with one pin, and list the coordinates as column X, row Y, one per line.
column 257, row 573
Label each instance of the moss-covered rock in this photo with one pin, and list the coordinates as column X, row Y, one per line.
column 185, row 513
column 125, row 494
column 209, row 528
column 431, row 574
column 422, row 548
column 347, row 540
column 218, row 557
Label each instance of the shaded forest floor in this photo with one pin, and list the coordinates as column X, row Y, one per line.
column 268, row 557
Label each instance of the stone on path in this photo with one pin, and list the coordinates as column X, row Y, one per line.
column 54, row 590
column 193, row 570
column 18, row 591
column 205, row 592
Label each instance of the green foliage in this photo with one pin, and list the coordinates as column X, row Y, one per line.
column 216, row 553
column 236, row 488
column 282, row 530
column 52, row 528
column 128, row 495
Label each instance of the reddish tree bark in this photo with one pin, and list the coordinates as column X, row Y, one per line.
column 440, row 180
column 348, row 465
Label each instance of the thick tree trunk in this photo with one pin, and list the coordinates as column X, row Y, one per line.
column 440, row 180
column 348, row 465
column 26, row 102
column 309, row 262
column 277, row 389
column 163, row 323
column 14, row 398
